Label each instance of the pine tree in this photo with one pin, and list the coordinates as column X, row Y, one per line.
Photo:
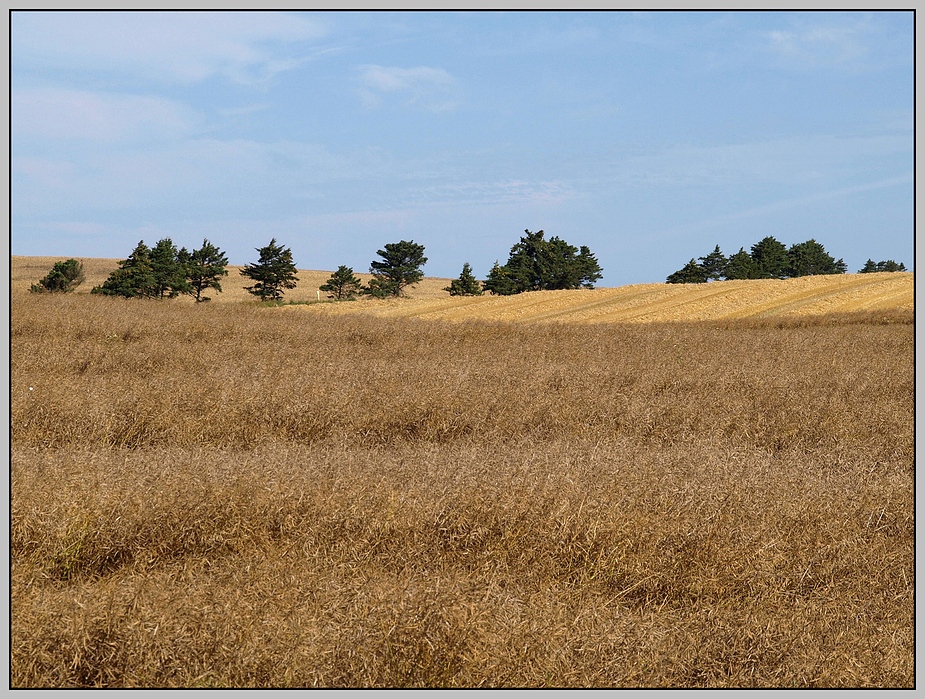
column 134, row 278
column 343, row 285
column 537, row 264
column 741, row 266
column 62, row 278
column 169, row 273
column 810, row 258
column 272, row 273
column 714, row 264
column 466, row 284
column 770, row 256
column 204, row 269
column 691, row 273
column 499, row 281
column 399, row 268
column 883, row 266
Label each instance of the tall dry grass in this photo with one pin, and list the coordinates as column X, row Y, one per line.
column 227, row 495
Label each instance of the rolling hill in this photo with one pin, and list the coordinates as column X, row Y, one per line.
column 637, row 303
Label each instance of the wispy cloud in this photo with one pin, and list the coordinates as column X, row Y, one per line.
column 50, row 113
column 852, row 42
column 433, row 89
column 163, row 47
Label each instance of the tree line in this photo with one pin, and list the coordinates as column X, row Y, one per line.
column 770, row 259
column 164, row 271
column 534, row 263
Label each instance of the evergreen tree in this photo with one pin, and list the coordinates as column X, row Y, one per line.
column 691, row 273
column 204, row 269
column 466, row 284
column 63, row 277
column 272, row 273
column 882, row 266
column 741, row 266
column 810, row 258
column 714, row 264
column 399, row 268
column 537, row 264
column 169, row 273
column 770, row 256
column 499, row 281
column 134, row 278
column 343, row 285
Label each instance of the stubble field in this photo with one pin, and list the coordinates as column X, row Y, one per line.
column 224, row 495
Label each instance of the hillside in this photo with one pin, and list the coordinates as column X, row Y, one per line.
column 638, row 303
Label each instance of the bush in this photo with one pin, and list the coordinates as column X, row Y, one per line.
column 62, row 278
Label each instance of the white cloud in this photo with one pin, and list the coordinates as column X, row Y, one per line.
column 822, row 46
column 48, row 113
column 431, row 88
column 167, row 47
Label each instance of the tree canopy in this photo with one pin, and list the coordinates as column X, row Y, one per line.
column 133, row 278
column 165, row 272
column 342, row 285
column 204, row 269
column 882, row 266
column 272, row 273
column 63, row 277
column 769, row 259
column 466, row 284
column 399, row 268
column 537, row 264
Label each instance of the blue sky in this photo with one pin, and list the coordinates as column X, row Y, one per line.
column 649, row 137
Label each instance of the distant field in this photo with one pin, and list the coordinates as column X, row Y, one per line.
column 638, row 303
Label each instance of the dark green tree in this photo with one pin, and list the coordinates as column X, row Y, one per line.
column 134, row 278
column 63, row 277
column 691, row 273
column 537, row 264
column 343, row 284
column 869, row 267
column 741, row 266
column 169, row 272
column 810, row 258
column 466, row 284
column 204, row 269
column 399, row 268
column 272, row 273
column 770, row 256
column 714, row 264
column 500, row 282
column 891, row 266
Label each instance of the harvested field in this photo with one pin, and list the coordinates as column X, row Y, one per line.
column 888, row 292
column 654, row 303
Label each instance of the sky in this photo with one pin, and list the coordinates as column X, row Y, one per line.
column 650, row 137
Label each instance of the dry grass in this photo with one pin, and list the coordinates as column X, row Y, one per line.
column 225, row 495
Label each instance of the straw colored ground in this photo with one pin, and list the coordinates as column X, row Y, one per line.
column 638, row 303
column 232, row 495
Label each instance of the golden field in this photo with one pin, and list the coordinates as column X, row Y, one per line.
column 637, row 303
column 230, row 495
